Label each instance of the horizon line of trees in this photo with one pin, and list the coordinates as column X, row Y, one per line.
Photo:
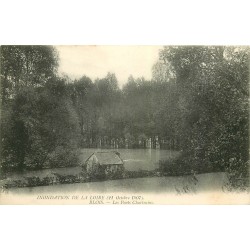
column 196, row 102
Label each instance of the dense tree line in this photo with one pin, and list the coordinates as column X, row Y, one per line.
column 196, row 102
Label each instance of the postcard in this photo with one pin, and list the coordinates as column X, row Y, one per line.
column 124, row 125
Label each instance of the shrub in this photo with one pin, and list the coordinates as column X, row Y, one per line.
column 62, row 157
column 238, row 175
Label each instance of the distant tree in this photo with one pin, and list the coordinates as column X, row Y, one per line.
column 80, row 92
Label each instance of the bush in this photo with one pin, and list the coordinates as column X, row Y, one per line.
column 66, row 179
column 33, row 181
column 62, row 157
column 238, row 175
column 175, row 167
column 116, row 173
column 97, row 173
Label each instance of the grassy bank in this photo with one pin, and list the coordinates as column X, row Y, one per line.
column 34, row 178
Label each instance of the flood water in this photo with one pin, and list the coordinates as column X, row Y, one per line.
column 135, row 159
column 206, row 182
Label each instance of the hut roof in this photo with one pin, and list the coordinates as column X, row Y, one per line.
column 108, row 158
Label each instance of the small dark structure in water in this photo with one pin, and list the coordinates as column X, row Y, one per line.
column 104, row 164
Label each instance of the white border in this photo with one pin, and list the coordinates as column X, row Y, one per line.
column 124, row 22
column 133, row 22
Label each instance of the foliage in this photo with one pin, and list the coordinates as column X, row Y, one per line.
column 38, row 121
column 26, row 66
column 212, row 104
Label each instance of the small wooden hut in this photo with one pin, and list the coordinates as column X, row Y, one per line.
column 104, row 164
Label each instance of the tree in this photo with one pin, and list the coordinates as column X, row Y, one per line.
column 38, row 122
column 25, row 66
column 162, row 72
column 212, row 89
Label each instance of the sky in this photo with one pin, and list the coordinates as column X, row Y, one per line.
column 97, row 61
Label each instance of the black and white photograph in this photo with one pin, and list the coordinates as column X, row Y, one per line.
column 122, row 124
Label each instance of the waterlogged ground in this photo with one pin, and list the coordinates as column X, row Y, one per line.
column 136, row 159
column 179, row 185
